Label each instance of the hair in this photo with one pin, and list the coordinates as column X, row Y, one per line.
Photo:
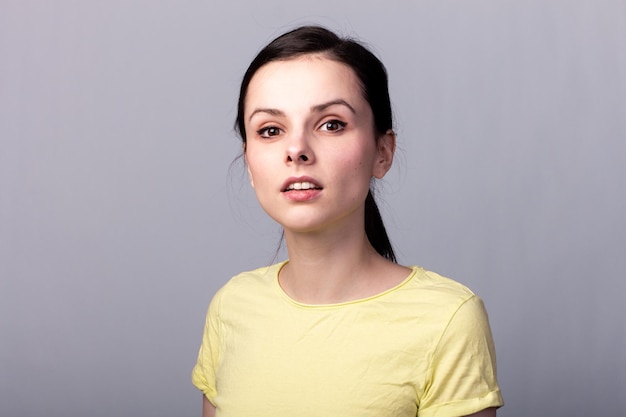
column 372, row 77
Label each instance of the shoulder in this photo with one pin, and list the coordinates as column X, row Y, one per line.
column 430, row 302
column 436, row 290
column 260, row 276
column 248, row 288
column 438, row 300
column 460, row 314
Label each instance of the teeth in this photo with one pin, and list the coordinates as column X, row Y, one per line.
column 301, row 186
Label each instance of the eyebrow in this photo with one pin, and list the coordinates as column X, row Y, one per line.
column 317, row 108
column 340, row 102
column 273, row 112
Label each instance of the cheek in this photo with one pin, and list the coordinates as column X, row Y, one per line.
column 354, row 171
column 256, row 161
column 360, row 161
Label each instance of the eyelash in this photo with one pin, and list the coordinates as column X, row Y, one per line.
column 264, row 132
column 340, row 125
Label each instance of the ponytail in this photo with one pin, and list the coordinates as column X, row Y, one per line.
column 375, row 229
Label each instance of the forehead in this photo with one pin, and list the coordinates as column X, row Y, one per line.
column 306, row 80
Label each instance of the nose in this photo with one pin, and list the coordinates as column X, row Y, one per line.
column 299, row 149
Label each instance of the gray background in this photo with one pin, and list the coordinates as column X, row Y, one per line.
column 120, row 212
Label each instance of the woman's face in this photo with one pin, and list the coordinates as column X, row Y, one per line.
column 311, row 148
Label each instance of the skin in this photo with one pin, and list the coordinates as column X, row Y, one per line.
column 295, row 114
column 208, row 409
column 306, row 119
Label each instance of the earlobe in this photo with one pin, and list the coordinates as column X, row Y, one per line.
column 386, row 150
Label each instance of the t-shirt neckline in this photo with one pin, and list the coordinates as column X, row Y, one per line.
column 278, row 267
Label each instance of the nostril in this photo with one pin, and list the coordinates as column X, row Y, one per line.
column 304, row 158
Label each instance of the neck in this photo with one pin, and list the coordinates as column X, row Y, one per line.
column 329, row 267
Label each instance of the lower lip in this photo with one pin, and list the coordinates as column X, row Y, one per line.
column 302, row 195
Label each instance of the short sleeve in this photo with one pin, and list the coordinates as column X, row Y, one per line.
column 203, row 373
column 463, row 371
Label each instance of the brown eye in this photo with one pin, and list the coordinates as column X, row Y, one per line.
column 333, row 126
column 268, row 132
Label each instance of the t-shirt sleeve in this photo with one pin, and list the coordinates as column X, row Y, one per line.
column 463, row 371
column 203, row 373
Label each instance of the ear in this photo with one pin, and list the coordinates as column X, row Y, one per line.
column 386, row 149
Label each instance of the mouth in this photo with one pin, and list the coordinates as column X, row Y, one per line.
column 305, row 185
column 300, row 184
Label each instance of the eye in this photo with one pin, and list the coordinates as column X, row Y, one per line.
column 333, row 126
column 268, row 132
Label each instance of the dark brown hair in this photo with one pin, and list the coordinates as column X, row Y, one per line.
column 372, row 77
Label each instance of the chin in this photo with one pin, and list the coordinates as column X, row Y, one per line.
column 300, row 224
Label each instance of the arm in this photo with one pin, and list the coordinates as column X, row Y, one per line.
column 464, row 372
column 487, row 412
column 203, row 374
column 208, row 409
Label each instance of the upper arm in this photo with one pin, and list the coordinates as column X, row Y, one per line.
column 203, row 373
column 463, row 375
column 487, row 412
column 208, row 409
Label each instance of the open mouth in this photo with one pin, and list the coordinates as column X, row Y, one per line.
column 304, row 185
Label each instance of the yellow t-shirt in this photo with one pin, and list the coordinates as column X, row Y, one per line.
column 423, row 348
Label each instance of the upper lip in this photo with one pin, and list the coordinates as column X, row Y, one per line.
column 293, row 180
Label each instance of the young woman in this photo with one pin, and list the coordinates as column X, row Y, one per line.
column 340, row 329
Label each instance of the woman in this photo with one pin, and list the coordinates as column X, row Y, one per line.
column 340, row 329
